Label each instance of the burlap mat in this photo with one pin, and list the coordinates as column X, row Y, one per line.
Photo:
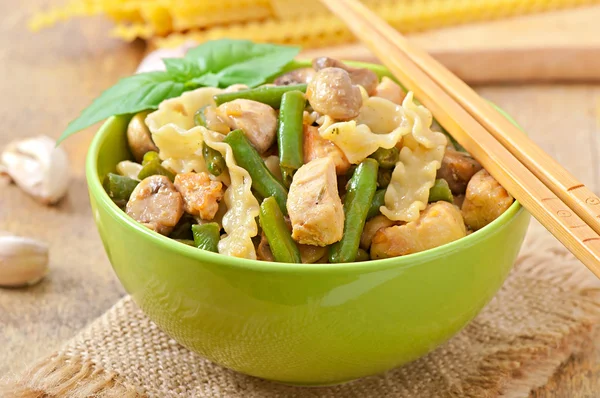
column 545, row 312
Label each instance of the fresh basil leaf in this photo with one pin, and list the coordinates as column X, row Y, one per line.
column 181, row 69
column 130, row 95
column 218, row 63
column 242, row 61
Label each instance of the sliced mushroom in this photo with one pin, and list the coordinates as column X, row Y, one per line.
column 331, row 92
column 297, row 76
column 440, row 223
column 139, row 137
column 257, row 120
column 156, row 204
column 485, row 200
column 362, row 76
column 263, row 251
column 201, row 195
column 457, row 169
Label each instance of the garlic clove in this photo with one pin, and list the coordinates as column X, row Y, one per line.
column 38, row 167
column 23, row 261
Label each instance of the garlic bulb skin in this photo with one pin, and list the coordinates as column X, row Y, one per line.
column 38, row 167
column 23, row 261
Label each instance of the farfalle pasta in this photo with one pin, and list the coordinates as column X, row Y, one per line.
column 299, row 170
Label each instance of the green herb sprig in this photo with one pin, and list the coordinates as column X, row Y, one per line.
column 217, row 63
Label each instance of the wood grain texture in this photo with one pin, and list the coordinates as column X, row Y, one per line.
column 560, row 45
column 48, row 78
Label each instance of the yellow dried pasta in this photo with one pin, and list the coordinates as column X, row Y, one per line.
column 305, row 23
column 414, row 174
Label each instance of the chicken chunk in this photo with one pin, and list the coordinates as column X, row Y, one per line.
column 332, row 93
column 297, row 76
column 371, row 227
column 317, row 147
column 484, row 201
column 390, row 90
column 257, row 120
column 156, row 204
column 440, row 223
column 314, row 206
column 361, row 76
column 457, row 169
column 201, row 195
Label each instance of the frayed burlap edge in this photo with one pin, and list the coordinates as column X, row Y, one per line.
column 66, row 376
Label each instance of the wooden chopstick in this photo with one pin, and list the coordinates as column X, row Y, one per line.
column 570, row 190
column 563, row 222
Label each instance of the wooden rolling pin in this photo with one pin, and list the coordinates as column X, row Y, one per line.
column 554, row 46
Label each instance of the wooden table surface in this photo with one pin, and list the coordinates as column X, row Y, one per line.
column 48, row 78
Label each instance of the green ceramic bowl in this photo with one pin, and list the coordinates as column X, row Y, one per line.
column 307, row 324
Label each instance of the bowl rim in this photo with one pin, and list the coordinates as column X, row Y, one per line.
column 102, row 199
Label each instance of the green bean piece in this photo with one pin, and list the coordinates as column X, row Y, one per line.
column 263, row 181
column 290, row 137
column 215, row 163
column 362, row 255
column 119, row 188
column 440, row 191
column 387, row 158
column 188, row 242
column 278, row 234
column 384, row 176
column 206, row 236
column 357, row 202
column 183, row 229
column 378, row 201
column 200, row 117
column 270, row 95
column 151, row 166
column 150, row 157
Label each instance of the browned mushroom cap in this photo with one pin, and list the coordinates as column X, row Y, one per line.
column 332, row 93
column 297, row 76
column 457, row 169
column 156, row 203
column 365, row 77
column 138, row 136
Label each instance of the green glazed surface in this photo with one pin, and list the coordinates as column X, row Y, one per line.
column 307, row 324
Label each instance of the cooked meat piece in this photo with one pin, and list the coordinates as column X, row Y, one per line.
column 362, row 76
column 440, row 223
column 139, row 137
column 315, row 209
column 317, row 147
column 484, row 201
column 457, row 169
column 390, row 90
column 257, row 120
column 211, row 120
column 332, row 93
column 201, row 195
column 156, row 203
column 297, row 76
column 371, row 227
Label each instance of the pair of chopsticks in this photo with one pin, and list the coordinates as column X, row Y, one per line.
column 565, row 206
